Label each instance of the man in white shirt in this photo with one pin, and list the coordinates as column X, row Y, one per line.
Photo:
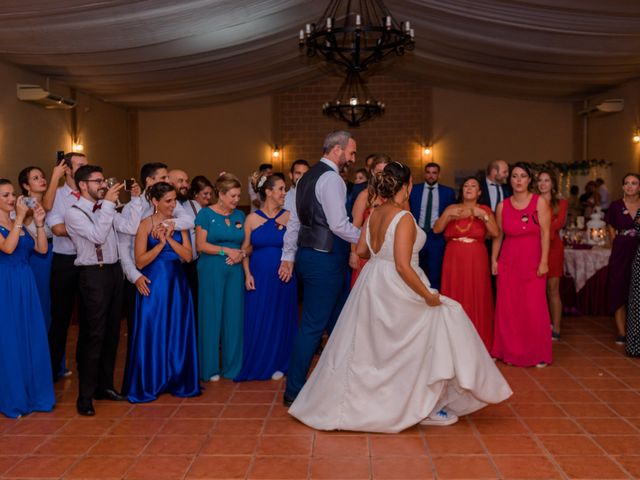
column 90, row 225
column 298, row 169
column 318, row 238
column 64, row 274
column 495, row 184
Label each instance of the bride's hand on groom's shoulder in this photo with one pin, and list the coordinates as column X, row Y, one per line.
column 433, row 299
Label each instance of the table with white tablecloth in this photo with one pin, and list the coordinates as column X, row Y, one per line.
column 583, row 289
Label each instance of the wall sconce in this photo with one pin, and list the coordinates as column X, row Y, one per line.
column 636, row 136
column 427, row 150
column 276, row 152
column 77, row 147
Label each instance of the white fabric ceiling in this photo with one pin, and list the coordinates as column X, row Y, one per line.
column 171, row 53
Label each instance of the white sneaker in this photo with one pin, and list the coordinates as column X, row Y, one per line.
column 214, row 378
column 277, row 375
column 441, row 418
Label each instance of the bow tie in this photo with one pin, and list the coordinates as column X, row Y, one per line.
column 76, row 194
column 97, row 206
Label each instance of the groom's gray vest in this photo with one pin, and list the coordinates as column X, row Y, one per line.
column 314, row 228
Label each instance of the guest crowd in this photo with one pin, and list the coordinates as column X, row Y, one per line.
column 209, row 291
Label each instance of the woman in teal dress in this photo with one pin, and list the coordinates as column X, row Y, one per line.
column 26, row 382
column 219, row 237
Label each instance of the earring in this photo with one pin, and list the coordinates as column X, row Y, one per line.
column 155, row 209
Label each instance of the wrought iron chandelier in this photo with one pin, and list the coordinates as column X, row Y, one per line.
column 356, row 34
column 353, row 103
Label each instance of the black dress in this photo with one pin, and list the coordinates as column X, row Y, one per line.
column 633, row 310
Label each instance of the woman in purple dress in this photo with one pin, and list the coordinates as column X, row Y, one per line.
column 623, row 249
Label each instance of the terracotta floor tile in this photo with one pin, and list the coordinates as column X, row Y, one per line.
column 258, row 386
column 602, row 384
column 20, row 444
column 42, row 466
column 279, row 467
column 570, row 445
column 285, row 426
column 587, row 372
column 525, row 466
column 120, row 445
column 454, row 445
column 462, row 427
column 559, row 384
column 590, row 467
column 552, row 425
column 574, row 396
column 150, row 410
column 212, row 395
column 137, row 426
column 230, row 445
column 285, row 445
column 279, row 411
column 341, row 446
column 631, row 464
column 401, row 468
column 199, row 411
column 619, row 444
column 175, row 445
column 538, row 410
column 253, row 397
column 156, row 467
column 245, row 411
column 529, row 396
column 87, row 426
column 498, row 410
column 112, row 409
column 618, row 396
column 477, row 466
column 626, row 409
column 593, row 409
column 235, row 426
column 510, row 444
column 395, row 445
column 33, row 426
column 8, row 461
column 603, row 426
column 184, row 426
column 219, row 467
column 101, row 467
column 339, row 468
column 498, row 426
column 66, row 445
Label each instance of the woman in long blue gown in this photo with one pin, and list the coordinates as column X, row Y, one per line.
column 33, row 183
column 26, row 383
column 162, row 354
column 270, row 306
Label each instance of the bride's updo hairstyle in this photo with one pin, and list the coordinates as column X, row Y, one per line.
column 389, row 182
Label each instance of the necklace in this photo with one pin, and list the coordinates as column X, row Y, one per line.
column 466, row 228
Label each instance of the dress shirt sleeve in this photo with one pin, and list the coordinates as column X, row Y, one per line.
column 125, row 251
column 97, row 231
column 290, row 242
column 331, row 192
column 56, row 215
column 183, row 219
column 129, row 220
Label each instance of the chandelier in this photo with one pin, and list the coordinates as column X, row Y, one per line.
column 356, row 34
column 353, row 103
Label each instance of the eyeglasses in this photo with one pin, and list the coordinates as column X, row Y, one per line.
column 97, row 180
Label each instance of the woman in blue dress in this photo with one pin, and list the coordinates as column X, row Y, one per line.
column 33, row 183
column 162, row 355
column 270, row 305
column 219, row 237
column 25, row 370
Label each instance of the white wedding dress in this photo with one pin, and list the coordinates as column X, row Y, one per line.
column 392, row 360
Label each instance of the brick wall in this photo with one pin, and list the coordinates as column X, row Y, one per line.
column 405, row 125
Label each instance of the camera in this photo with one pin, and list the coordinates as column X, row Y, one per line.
column 29, row 202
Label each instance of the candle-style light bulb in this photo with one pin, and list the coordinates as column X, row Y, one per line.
column 358, row 20
column 387, row 21
column 329, row 23
column 301, row 36
column 308, row 28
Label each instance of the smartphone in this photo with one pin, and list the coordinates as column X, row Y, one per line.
column 128, row 184
column 29, row 201
column 59, row 157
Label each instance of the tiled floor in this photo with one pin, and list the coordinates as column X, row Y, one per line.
column 579, row 418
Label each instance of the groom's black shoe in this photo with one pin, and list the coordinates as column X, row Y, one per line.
column 84, row 406
column 108, row 394
column 287, row 401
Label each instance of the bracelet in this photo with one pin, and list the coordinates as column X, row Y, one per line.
column 17, row 225
column 221, row 252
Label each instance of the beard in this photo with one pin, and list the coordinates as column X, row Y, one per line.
column 182, row 194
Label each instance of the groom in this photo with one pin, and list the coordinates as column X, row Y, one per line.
column 319, row 232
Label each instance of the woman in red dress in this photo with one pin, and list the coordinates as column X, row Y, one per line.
column 547, row 187
column 465, row 268
column 519, row 258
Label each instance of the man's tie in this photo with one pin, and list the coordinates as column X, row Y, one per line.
column 427, row 213
column 97, row 206
column 498, row 195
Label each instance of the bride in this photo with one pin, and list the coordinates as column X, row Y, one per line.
column 400, row 353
